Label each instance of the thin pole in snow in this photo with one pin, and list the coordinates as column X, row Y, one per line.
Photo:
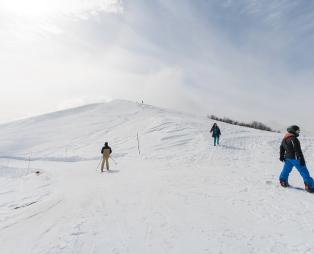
column 29, row 161
column 138, row 145
column 66, row 153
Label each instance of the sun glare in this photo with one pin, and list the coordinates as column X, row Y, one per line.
column 30, row 8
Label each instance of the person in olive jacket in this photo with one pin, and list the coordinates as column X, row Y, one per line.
column 106, row 151
column 292, row 156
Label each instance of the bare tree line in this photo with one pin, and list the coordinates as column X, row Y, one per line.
column 254, row 124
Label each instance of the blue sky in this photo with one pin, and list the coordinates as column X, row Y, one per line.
column 245, row 59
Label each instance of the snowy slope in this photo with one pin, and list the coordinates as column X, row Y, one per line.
column 77, row 134
column 181, row 195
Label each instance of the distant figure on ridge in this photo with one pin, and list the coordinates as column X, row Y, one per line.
column 106, row 151
column 216, row 133
column 291, row 154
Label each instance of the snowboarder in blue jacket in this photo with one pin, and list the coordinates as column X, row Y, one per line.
column 216, row 133
column 291, row 154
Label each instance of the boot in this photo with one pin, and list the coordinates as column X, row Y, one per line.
column 284, row 183
column 308, row 188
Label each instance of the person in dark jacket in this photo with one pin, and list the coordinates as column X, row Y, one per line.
column 216, row 133
column 291, row 154
column 106, row 151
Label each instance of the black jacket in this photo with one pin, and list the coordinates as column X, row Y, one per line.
column 106, row 147
column 291, row 149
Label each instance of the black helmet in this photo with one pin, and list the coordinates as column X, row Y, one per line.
column 294, row 129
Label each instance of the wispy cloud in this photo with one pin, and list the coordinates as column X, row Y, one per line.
column 29, row 20
column 67, row 7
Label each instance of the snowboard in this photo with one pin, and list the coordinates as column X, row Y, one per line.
column 298, row 188
column 288, row 187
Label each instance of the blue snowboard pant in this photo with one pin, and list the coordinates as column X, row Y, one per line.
column 216, row 140
column 287, row 168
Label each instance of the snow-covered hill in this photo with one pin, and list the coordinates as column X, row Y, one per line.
column 180, row 195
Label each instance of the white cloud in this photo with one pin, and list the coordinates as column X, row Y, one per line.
column 39, row 8
column 30, row 20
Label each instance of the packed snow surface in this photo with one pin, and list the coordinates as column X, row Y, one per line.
column 179, row 195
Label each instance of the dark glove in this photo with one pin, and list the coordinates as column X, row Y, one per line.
column 302, row 161
column 282, row 158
